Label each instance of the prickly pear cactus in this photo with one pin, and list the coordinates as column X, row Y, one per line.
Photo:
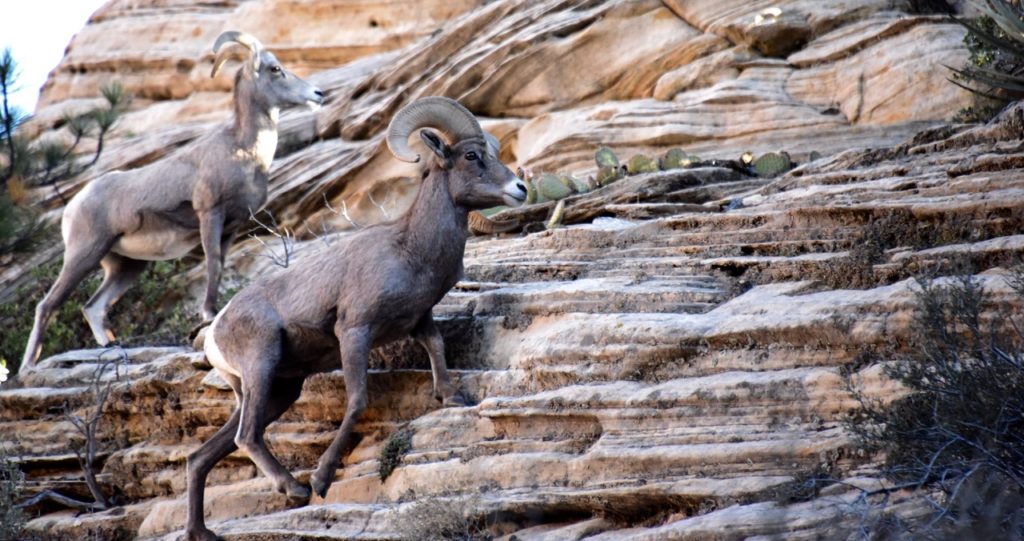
column 772, row 164
column 606, row 158
column 576, row 184
column 815, row 155
column 531, row 191
column 556, row 216
column 606, row 175
column 551, row 188
column 673, row 159
column 639, row 164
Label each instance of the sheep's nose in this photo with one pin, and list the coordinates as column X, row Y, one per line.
column 319, row 94
column 521, row 186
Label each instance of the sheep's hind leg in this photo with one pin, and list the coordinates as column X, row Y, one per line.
column 223, row 444
column 200, row 463
column 78, row 263
column 264, row 399
column 119, row 273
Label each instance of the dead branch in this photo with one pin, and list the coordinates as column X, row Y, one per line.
column 286, row 236
column 343, row 212
column 89, row 425
column 61, row 499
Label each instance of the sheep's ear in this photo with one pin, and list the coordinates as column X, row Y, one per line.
column 436, row 145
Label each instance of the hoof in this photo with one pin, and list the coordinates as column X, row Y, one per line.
column 298, row 496
column 455, row 401
column 197, row 331
column 202, row 535
column 319, row 484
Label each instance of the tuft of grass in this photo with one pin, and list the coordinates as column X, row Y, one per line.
column 396, row 446
column 441, row 519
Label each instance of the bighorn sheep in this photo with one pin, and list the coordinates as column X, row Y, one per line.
column 201, row 193
column 328, row 310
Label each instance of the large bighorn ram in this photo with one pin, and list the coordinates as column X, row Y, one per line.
column 331, row 308
column 201, row 193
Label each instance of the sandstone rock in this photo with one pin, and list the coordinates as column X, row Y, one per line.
column 659, row 368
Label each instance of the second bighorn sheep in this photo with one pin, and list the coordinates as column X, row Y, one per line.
column 199, row 194
column 328, row 310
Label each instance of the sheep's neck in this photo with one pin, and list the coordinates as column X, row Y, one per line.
column 434, row 228
column 255, row 128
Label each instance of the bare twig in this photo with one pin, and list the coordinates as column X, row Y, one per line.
column 343, row 212
column 286, row 236
column 323, row 235
column 383, row 211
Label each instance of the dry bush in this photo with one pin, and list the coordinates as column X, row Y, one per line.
column 441, row 519
column 959, row 433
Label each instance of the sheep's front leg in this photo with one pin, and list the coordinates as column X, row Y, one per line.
column 211, row 229
column 427, row 335
column 355, row 347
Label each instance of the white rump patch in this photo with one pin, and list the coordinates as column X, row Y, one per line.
column 212, row 351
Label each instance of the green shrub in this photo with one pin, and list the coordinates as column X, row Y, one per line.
column 391, row 454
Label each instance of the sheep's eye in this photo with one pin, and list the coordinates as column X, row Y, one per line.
column 276, row 69
column 471, row 156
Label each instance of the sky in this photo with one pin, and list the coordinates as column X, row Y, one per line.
column 38, row 31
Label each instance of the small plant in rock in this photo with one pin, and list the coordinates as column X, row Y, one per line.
column 441, row 519
column 396, row 446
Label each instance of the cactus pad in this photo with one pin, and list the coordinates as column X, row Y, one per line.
column 639, row 164
column 607, row 175
column 580, row 186
column 606, row 158
column 531, row 191
column 556, row 216
column 772, row 164
column 551, row 188
column 673, row 159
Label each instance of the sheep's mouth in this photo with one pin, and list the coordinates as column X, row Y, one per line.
column 313, row 105
column 513, row 199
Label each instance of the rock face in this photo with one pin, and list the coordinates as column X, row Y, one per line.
column 668, row 365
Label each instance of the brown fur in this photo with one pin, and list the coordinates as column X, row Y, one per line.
column 332, row 307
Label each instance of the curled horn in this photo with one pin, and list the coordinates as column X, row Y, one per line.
column 246, row 40
column 445, row 115
column 493, row 143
